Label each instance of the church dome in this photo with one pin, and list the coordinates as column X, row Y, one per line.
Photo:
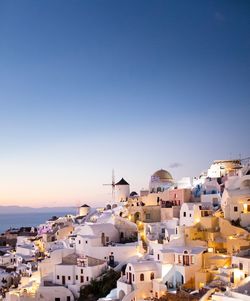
column 163, row 175
column 161, row 180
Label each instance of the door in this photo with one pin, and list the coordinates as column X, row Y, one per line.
column 129, row 278
column 185, row 259
column 63, row 280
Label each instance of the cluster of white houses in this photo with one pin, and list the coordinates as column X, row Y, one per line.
column 190, row 234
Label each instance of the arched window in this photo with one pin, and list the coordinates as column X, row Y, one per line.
column 141, row 277
column 152, row 276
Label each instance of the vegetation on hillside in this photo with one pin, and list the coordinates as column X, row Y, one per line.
column 99, row 288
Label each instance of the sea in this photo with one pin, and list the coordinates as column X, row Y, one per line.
column 17, row 220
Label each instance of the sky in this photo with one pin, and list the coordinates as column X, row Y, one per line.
column 135, row 86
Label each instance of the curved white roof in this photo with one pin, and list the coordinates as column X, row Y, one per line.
column 98, row 229
column 144, row 266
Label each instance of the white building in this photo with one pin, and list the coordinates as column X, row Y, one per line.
column 122, row 190
column 102, row 241
column 172, row 265
column 221, row 168
column 191, row 213
column 65, row 267
column 236, row 199
column 84, row 210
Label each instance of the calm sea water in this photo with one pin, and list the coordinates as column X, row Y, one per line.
column 26, row 219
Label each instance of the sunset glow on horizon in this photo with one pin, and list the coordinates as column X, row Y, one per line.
column 134, row 86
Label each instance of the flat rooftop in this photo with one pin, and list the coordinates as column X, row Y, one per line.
column 71, row 259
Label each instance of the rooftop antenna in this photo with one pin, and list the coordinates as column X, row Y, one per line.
column 112, row 184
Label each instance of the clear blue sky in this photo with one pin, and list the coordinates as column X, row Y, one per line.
column 87, row 86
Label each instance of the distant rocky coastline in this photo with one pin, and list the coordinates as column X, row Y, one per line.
column 21, row 209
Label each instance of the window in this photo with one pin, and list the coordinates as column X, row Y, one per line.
column 158, row 256
column 129, row 268
column 81, row 271
column 190, row 215
column 76, row 277
column 82, row 279
column 57, row 299
column 57, row 277
column 179, row 258
column 68, row 277
column 152, row 276
column 184, row 213
column 86, row 241
column 141, row 277
column 87, row 278
column 241, row 266
column 68, row 298
column 235, row 208
column 192, row 259
column 133, row 277
column 79, row 242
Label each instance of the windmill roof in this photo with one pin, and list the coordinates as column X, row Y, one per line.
column 122, row 182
